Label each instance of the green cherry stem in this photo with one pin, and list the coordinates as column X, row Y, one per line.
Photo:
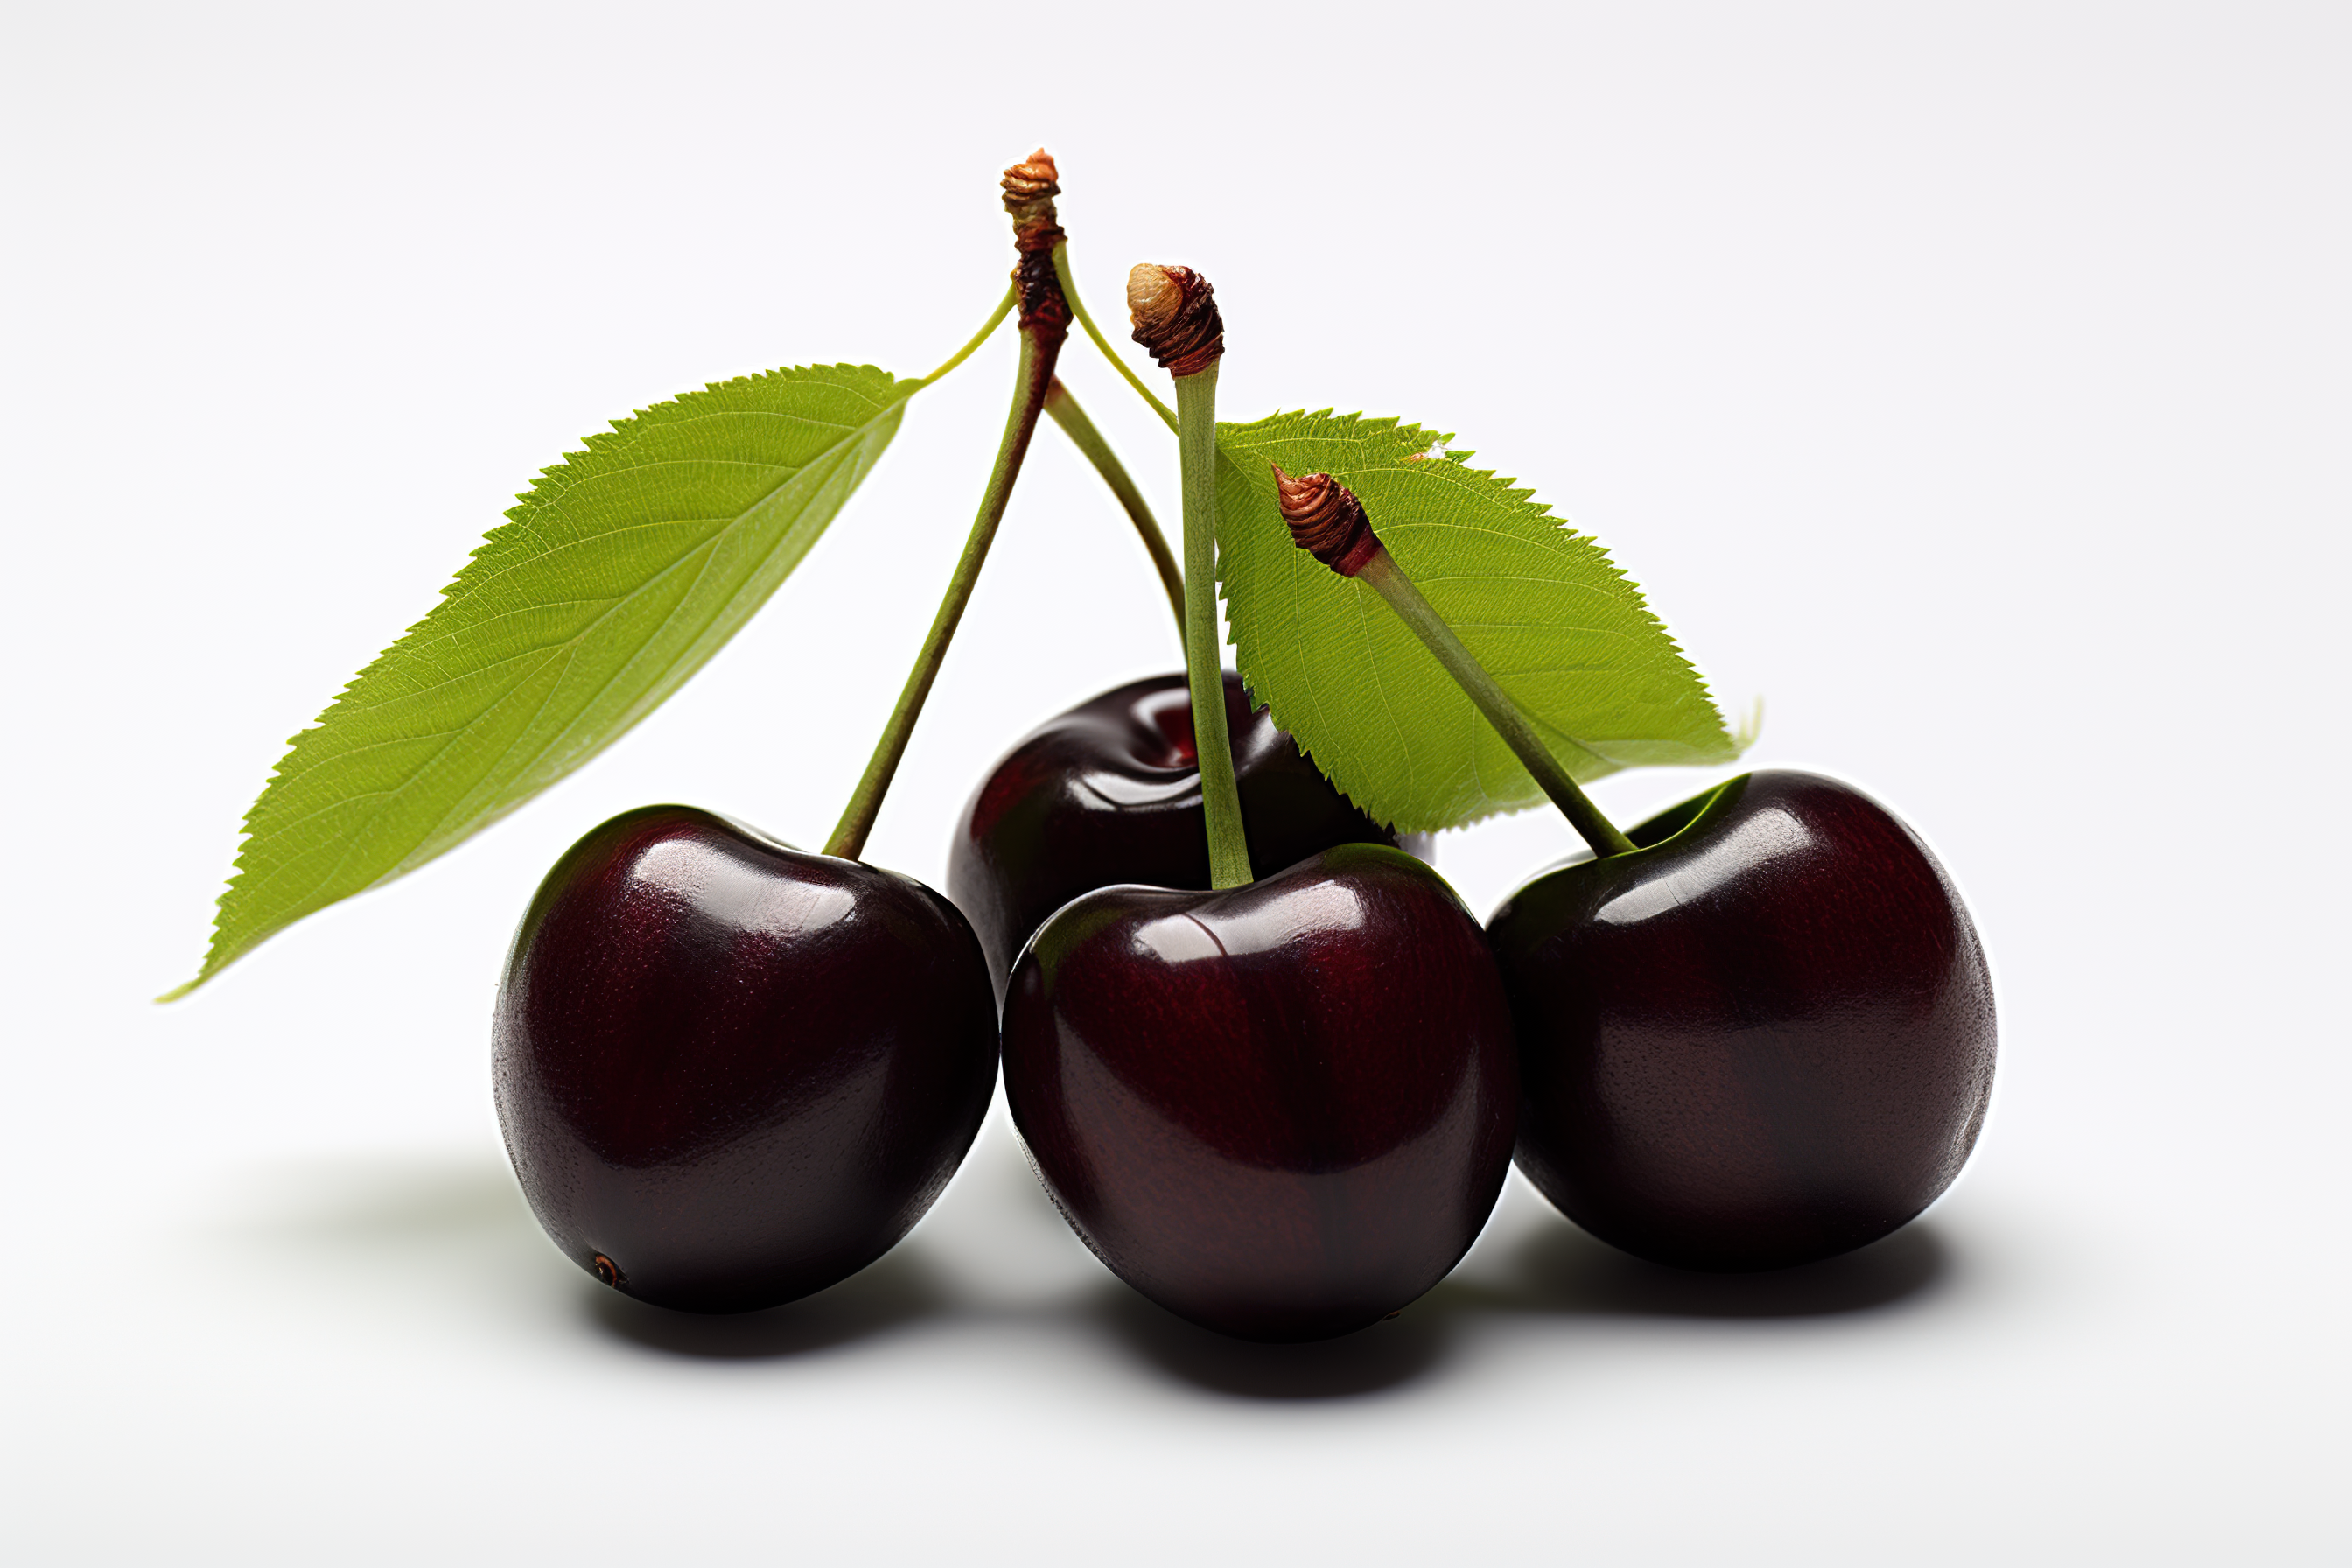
column 1070, row 291
column 1327, row 520
column 1034, row 375
column 1388, row 580
column 1065, row 412
column 1204, row 669
column 1003, row 309
column 1029, row 190
column 1176, row 320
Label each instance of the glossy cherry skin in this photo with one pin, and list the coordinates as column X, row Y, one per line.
column 1283, row 1111
column 1764, row 1037
column 729, row 1072
column 1111, row 791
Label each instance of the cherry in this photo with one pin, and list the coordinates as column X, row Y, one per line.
column 1111, row 791
column 1763, row 1036
column 1754, row 1032
column 1282, row 1111
column 730, row 1072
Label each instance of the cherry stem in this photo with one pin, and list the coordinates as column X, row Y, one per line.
column 1204, row 666
column 1388, row 579
column 1065, row 412
column 1070, row 292
column 1039, row 350
column 1003, row 309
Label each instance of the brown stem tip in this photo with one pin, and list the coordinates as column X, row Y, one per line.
column 1326, row 521
column 1030, row 187
column 1176, row 317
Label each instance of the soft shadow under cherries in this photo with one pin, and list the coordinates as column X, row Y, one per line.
column 466, row 1214
column 1557, row 1270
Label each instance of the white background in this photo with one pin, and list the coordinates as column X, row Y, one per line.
column 1970, row 382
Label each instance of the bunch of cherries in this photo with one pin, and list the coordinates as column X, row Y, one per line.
column 1755, row 1031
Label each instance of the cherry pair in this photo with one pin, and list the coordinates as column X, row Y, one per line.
column 731, row 1072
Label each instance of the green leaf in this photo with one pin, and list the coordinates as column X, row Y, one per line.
column 1542, row 607
column 616, row 576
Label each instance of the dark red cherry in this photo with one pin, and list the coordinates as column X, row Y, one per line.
column 1111, row 791
column 729, row 1072
column 1283, row 1111
column 1764, row 1037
